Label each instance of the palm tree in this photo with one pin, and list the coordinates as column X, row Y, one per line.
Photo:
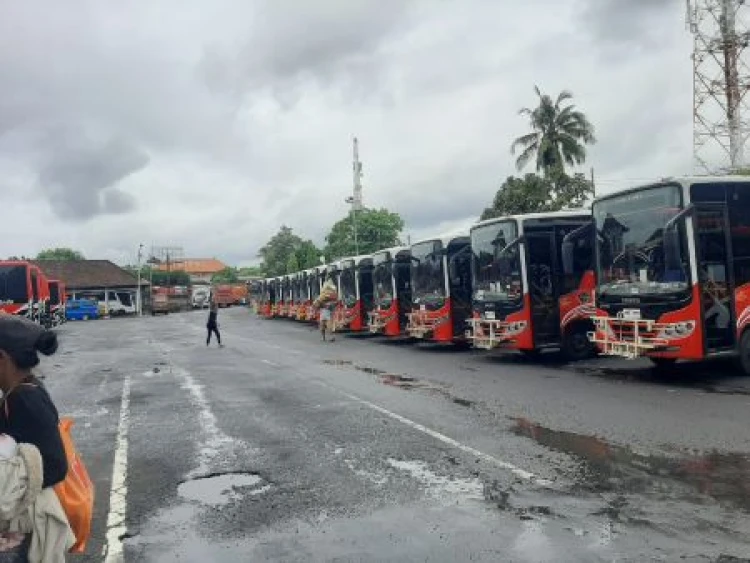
column 559, row 135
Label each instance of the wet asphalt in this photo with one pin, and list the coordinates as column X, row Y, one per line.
column 279, row 447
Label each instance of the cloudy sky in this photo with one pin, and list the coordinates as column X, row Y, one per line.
column 207, row 125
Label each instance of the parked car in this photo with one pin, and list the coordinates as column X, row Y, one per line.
column 81, row 309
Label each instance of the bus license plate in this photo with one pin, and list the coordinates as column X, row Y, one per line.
column 631, row 314
column 490, row 315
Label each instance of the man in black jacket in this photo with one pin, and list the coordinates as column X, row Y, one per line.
column 212, row 325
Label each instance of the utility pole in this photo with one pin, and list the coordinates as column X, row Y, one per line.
column 139, row 297
column 356, row 199
column 721, row 79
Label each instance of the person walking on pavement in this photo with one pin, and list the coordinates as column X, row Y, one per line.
column 326, row 304
column 212, row 325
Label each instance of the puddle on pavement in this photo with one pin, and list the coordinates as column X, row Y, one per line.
column 725, row 477
column 221, row 489
column 405, row 382
column 400, row 381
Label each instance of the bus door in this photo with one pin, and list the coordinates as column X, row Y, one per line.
column 713, row 249
column 459, row 276
column 545, row 314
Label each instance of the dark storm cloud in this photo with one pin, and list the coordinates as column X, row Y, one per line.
column 325, row 42
column 79, row 177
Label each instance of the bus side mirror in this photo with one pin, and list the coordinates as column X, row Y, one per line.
column 567, row 257
column 672, row 260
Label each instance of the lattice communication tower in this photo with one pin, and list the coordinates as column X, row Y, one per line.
column 167, row 258
column 721, row 78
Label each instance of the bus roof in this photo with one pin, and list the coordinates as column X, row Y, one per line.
column 586, row 211
column 392, row 250
column 357, row 259
column 446, row 238
column 684, row 181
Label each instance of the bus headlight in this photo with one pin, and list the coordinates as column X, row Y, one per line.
column 516, row 327
column 681, row 329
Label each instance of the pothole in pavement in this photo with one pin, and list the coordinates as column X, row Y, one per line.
column 222, row 488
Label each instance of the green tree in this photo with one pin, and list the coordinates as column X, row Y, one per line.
column 67, row 254
column 250, row 272
column 307, row 255
column 376, row 229
column 227, row 275
column 534, row 193
column 558, row 135
column 286, row 253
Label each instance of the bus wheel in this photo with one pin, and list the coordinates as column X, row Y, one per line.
column 576, row 344
column 744, row 358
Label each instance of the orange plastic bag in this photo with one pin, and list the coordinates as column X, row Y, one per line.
column 76, row 492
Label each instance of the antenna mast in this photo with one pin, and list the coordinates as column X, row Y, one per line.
column 721, row 78
column 356, row 198
column 357, row 169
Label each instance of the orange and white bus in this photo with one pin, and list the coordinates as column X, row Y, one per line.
column 440, row 288
column 355, row 283
column 673, row 270
column 392, row 291
column 523, row 298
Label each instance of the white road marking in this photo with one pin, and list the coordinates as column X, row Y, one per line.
column 270, row 363
column 517, row 471
column 118, row 494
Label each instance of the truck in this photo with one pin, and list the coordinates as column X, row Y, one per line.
column 356, row 291
column 222, row 295
column 392, row 291
column 201, row 297
column 523, row 298
column 159, row 301
column 440, row 289
column 673, row 271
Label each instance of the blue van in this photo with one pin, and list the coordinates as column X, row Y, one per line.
column 81, row 309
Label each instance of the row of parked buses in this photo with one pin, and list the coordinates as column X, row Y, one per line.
column 26, row 291
column 659, row 271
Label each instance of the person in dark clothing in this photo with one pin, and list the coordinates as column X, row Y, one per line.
column 212, row 325
column 27, row 412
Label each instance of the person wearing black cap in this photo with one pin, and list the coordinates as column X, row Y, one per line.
column 27, row 412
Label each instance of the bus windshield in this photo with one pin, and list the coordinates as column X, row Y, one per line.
column 630, row 247
column 427, row 272
column 348, row 284
column 13, row 287
column 382, row 277
column 489, row 245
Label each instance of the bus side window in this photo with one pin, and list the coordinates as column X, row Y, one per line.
column 739, row 224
